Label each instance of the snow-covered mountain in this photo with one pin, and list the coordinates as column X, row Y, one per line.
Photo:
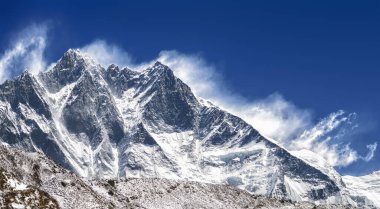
column 109, row 123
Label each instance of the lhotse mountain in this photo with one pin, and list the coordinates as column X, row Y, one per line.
column 111, row 123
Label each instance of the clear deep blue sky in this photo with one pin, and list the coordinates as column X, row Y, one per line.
column 321, row 55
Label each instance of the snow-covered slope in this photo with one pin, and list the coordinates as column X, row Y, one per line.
column 171, row 194
column 110, row 123
column 365, row 189
column 31, row 180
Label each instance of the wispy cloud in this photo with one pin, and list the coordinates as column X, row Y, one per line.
column 24, row 53
column 371, row 153
column 107, row 54
column 323, row 136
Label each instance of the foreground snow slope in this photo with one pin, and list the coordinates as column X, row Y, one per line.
column 31, row 180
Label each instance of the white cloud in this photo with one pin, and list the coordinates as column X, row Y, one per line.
column 107, row 54
column 321, row 139
column 25, row 52
column 371, row 153
column 274, row 117
column 321, row 130
column 194, row 71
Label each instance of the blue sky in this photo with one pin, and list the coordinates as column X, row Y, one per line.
column 318, row 56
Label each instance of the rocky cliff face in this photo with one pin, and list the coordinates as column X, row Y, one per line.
column 111, row 123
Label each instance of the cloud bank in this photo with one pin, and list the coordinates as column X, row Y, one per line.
column 24, row 53
column 273, row 116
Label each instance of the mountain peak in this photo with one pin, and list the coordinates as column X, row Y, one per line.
column 73, row 54
column 159, row 64
column 72, row 65
column 74, row 57
column 70, row 58
column 73, row 51
column 159, row 69
column 25, row 76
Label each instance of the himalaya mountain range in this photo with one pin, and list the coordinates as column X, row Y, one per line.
column 102, row 133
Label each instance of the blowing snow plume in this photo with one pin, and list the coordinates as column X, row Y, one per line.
column 25, row 53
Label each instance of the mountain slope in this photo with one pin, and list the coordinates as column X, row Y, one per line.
column 109, row 123
column 31, row 180
column 37, row 178
column 365, row 189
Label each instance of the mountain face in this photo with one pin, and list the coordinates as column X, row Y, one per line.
column 111, row 123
